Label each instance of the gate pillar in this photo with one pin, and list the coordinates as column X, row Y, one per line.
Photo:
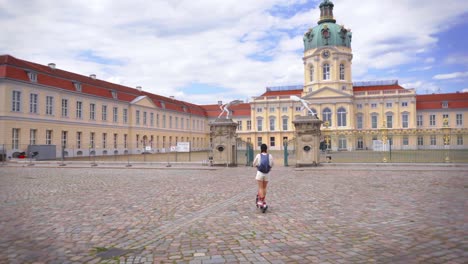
column 223, row 138
column 307, row 133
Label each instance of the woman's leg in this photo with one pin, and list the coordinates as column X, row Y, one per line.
column 264, row 188
column 260, row 189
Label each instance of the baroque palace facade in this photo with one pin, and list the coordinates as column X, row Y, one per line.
column 44, row 105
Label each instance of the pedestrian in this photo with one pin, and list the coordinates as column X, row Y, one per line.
column 264, row 162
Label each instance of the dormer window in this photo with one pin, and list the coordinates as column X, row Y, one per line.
column 114, row 94
column 77, row 86
column 184, row 108
column 32, row 76
column 445, row 104
column 163, row 104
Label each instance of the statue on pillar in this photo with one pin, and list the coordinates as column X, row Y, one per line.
column 225, row 108
column 305, row 104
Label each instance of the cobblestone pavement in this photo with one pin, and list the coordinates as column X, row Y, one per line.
column 342, row 214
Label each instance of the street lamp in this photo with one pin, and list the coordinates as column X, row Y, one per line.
column 446, row 130
column 384, row 133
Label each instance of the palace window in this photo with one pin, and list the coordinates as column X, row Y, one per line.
column 327, row 116
column 272, row 109
column 33, row 103
column 405, row 141
column 404, row 104
column 32, row 136
column 64, row 139
column 78, row 140
column 137, row 118
column 91, row 140
column 64, row 107
column 373, row 105
column 459, row 140
column 115, row 114
column 272, row 141
column 77, row 86
column 272, row 124
column 115, row 140
column 32, row 76
column 249, row 125
column 445, row 117
column 311, row 73
column 284, row 109
column 239, row 125
column 432, row 120
column 419, row 120
column 48, row 140
column 459, row 119
column 326, row 71
column 433, row 140
column 259, row 141
column 152, row 120
column 92, row 111
column 259, row 109
column 79, row 110
column 342, row 72
column 420, row 141
column 374, row 121
column 342, row 142
column 405, row 120
column 16, row 101
column 104, row 140
column 285, row 123
column 15, row 138
column 341, row 117
column 125, row 116
column 104, row 113
column 49, row 105
column 389, row 120
column 144, row 118
column 259, row 124
column 359, row 122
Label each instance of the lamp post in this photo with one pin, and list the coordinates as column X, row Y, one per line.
column 327, row 139
column 446, row 130
column 384, row 133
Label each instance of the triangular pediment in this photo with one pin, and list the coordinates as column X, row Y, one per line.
column 327, row 93
column 143, row 101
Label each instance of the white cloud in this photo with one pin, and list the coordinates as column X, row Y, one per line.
column 166, row 45
column 461, row 59
column 422, row 87
column 453, row 75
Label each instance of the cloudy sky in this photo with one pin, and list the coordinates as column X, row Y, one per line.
column 208, row 50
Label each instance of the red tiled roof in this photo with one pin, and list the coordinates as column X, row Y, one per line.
column 283, row 92
column 237, row 110
column 377, row 88
column 13, row 68
column 434, row 101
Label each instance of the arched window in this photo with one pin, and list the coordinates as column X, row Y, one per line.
column 341, row 116
column 327, row 116
column 272, row 123
column 311, row 73
column 326, row 71
column 342, row 71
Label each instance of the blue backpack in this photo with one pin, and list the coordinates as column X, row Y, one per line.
column 264, row 165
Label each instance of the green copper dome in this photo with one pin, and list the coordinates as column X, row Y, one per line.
column 327, row 33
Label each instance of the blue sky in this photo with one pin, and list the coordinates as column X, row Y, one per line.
column 204, row 51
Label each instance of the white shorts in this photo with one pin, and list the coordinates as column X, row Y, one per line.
column 262, row 176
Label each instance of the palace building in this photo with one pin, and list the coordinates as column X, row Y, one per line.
column 82, row 115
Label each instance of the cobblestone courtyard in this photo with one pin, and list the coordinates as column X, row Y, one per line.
column 330, row 214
